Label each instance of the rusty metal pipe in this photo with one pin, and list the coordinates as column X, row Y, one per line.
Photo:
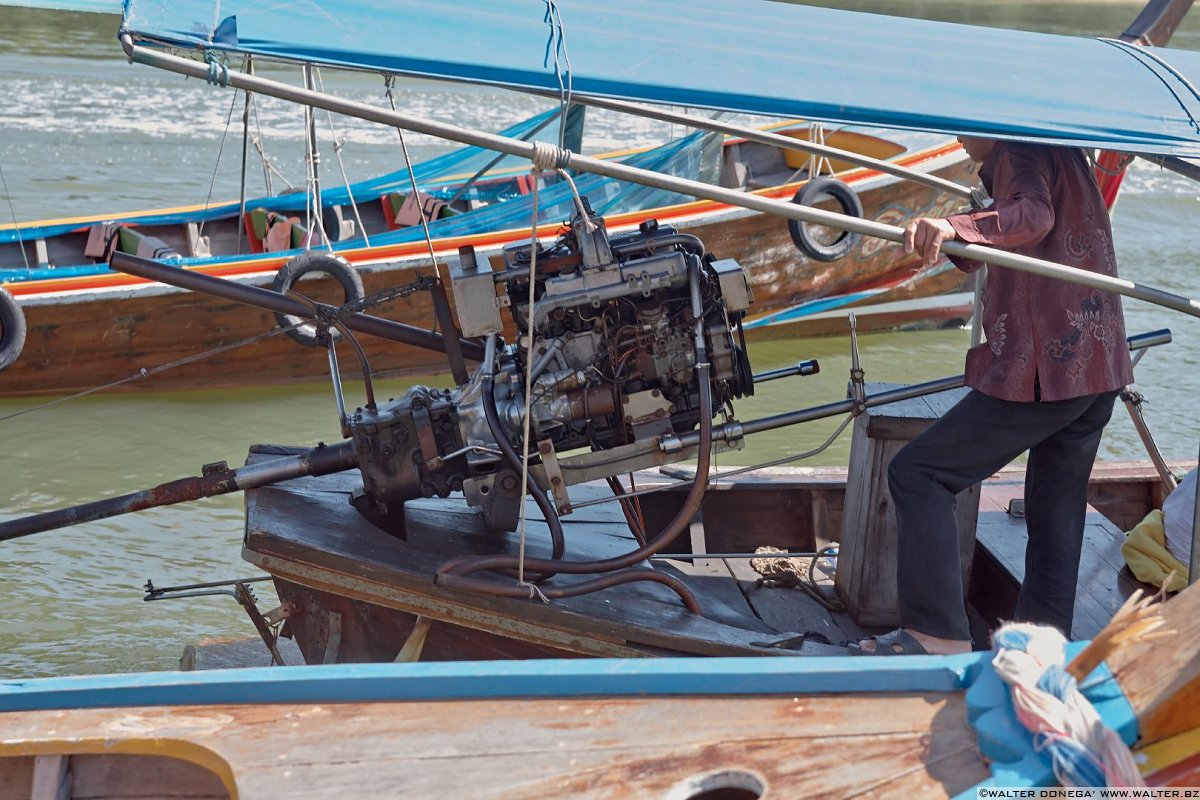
column 274, row 301
column 214, row 481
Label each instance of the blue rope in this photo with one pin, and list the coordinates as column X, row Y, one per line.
column 218, row 72
column 1073, row 763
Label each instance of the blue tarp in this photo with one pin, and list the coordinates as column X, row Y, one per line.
column 752, row 56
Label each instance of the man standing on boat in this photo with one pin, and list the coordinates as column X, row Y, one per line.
column 1045, row 380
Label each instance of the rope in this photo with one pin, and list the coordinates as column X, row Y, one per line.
column 529, row 317
column 1047, row 701
column 337, row 151
column 212, row 184
column 391, row 293
column 388, row 82
column 546, row 156
column 558, row 44
column 145, row 372
column 218, row 71
column 13, row 212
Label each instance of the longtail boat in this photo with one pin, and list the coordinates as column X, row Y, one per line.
column 418, row 534
column 84, row 326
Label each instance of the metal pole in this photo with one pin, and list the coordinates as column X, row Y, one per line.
column 773, row 139
column 732, row 431
column 216, row 480
column 624, row 172
column 274, row 301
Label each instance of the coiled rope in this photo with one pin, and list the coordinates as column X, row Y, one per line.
column 1047, row 701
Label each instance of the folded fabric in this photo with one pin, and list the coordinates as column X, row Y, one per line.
column 1146, row 554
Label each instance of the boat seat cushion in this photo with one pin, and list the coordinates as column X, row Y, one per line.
column 403, row 211
column 143, row 245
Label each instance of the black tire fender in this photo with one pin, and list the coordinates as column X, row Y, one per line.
column 12, row 329
column 811, row 193
column 304, row 264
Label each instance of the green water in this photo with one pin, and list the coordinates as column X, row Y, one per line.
column 82, row 131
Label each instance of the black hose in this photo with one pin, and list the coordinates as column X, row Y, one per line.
column 510, row 455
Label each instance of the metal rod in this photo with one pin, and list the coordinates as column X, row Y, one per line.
column 810, row 367
column 274, row 301
column 216, row 481
column 732, row 431
column 768, row 138
column 784, row 208
column 1133, row 404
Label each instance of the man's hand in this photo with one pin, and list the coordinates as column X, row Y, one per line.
column 925, row 235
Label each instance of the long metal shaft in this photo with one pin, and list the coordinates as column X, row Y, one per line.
column 214, row 481
column 274, row 301
column 624, row 172
column 732, row 431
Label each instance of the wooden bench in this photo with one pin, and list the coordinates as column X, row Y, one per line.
column 1104, row 580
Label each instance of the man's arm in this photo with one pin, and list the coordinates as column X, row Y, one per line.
column 1021, row 215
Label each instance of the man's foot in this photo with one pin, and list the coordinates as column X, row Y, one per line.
column 906, row 641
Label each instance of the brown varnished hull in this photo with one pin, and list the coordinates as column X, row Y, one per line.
column 77, row 342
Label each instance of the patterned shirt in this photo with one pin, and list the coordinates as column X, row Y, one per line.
column 1067, row 339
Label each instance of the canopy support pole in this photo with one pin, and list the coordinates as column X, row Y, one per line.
column 624, row 172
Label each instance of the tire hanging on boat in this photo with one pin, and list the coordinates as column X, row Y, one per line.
column 304, row 264
column 811, row 193
column 12, row 329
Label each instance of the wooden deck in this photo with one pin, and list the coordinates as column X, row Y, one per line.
column 1104, row 580
column 356, row 591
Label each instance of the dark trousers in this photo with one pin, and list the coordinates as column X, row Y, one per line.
column 970, row 442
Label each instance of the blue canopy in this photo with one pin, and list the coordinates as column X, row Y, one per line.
column 752, row 56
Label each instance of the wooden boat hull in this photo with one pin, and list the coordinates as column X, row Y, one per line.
column 354, row 593
column 686, row 729
column 88, row 332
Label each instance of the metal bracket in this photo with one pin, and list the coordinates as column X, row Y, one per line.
column 554, row 475
column 240, row 591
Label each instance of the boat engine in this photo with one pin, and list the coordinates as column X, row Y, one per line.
column 611, row 341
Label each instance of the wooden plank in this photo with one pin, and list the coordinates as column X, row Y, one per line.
column 51, row 781
column 143, row 776
column 904, row 746
column 1103, row 584
column 787, row 610
column 312, row 539
column 16, row 774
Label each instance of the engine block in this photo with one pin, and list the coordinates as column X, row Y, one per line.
column 609, row 345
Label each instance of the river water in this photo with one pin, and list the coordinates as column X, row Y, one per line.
column 82, row 132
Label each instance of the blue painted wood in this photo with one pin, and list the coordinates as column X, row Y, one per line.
column 494, row 679
column 1015, row 762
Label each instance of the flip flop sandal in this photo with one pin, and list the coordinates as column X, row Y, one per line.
column 896, row 643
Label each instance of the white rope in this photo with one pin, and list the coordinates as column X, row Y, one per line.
column 548, row 157
column 337, row 151
column 1048, row 702
column 529, row 317
column 388, row 80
